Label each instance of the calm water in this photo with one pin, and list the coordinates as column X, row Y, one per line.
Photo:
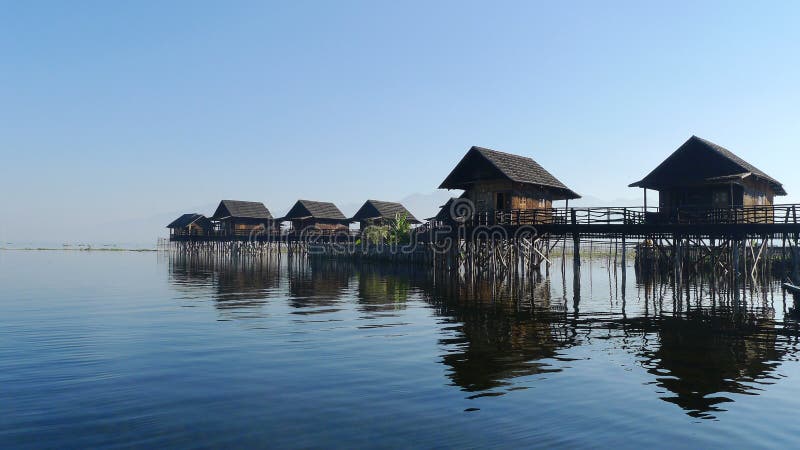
column 144, row 349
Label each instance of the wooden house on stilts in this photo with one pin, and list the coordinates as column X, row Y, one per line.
column 701, row 177
column 308, row 215
column 193, row 224
column 500, row 184
column 240, row 218
column 379, row 213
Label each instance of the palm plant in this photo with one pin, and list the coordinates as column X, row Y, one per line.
column 400, row 229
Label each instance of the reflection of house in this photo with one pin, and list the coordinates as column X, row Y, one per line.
column 236, row 217
column 190, row 225
column 235, row 284
column 497, row 181
column 498, row 347
column 319, row 285
column 378, row 213
column 702, row 358
column 379, row 292
column 496, row 342
column 242, row 286
column 317, row 216
column 704, row 175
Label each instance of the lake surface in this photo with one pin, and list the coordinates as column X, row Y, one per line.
column 114, row 349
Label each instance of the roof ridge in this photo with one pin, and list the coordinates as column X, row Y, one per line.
column 479, row 148
column 696, row 143
column 736, row 159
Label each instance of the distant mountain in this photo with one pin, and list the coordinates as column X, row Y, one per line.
column 424, row 206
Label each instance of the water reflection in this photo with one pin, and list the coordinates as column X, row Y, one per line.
column 702, row 358
column 384, row 289
column 701, row 343
column 496, row 337
column 318, row 289
column 238, row 284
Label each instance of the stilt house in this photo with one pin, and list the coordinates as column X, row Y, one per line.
column 193, row 224
column 701, row 176
column 498, row 182
column 379, row 213
column 318, row 216
column 236, row 217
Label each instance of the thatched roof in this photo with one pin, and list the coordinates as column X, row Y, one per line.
column 188, row 219
column 238, row 209
column 376, row 209
column 483, row 164
column 698, row 162
column 308, row 209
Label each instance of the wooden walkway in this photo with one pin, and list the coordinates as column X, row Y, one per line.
column 732, row 240
column 616, row 222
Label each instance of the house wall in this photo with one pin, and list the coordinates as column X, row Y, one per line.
column 758, row 193
column 317, row 225
column 246, row 227
column 513, row 196
column 703, row 197
column 195, row 229
column 363, row 224
column 757, row 197
column 192, row 230
column 239, row 228
column 753, row 193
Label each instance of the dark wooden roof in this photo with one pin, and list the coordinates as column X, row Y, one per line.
column 304, row 209
column 188, row 219
column 699, row 161
column 444, row 210
column 445, row 214
column 376, row 209
column 238, row 209
column 483, row 164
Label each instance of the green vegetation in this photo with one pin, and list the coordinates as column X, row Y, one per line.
column 376, row 234
column 397, row 232
column 400, row 230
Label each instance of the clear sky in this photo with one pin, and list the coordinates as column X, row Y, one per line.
column 119, row 111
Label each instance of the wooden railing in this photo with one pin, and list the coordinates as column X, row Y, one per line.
column 777, row 214
column 267, row 234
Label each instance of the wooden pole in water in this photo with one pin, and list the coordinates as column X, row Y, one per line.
column 676, row 259
column 576, row 241
column 624, row 272
column 564, row 243
column 735, row 264
column 795, row 263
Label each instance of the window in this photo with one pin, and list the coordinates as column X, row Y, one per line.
column 720, row 199
column 500, row 202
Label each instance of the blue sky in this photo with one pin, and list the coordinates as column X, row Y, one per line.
column 112, row 112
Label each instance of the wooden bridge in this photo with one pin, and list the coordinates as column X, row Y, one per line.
column 643, row 222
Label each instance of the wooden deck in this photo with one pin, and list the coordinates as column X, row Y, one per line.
column 273, row 236
column 640, row 222
column 606, row 222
